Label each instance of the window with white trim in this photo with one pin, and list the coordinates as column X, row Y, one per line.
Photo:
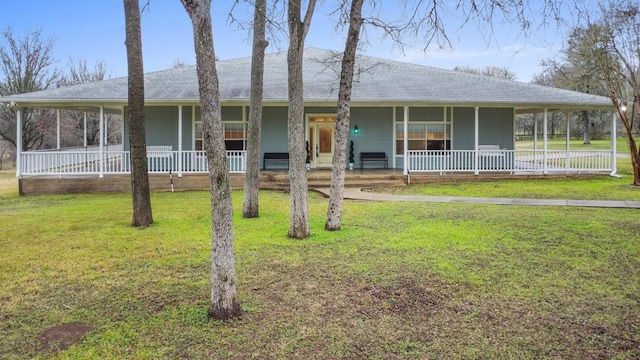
column 235, row 135
column 429, row 135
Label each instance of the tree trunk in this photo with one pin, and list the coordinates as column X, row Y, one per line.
column 633, row 145
column 586, row 138
column 142, row 216
column 224, row 303
column 299, row 227
column 252, row 175
column 334, row 211
column 635, row 161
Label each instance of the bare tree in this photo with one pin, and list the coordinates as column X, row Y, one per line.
column 334, row 211
column 5, row 152
column 74, row 121
column 224, row 302
column 613, row 42
column 142, row 215
column 298, row 27
column 252, row 176
column 27, row 64
column 177, row 63
column 495, row 71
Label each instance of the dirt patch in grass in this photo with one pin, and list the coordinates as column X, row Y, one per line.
column 60, row 337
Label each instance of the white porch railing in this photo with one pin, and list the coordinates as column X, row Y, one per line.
column 509, row 161
column 84, row 160
column 116, row 161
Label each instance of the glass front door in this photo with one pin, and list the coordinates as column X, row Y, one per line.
column 321, row 133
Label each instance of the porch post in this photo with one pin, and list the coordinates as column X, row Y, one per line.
column 84, row 122
column 406, row 140
column 179, row 140
column 106, row 133
column 544, row 141
column 535, row 134
column 614, row 147
column 101, row 171
column 476, row 142
column 58, row 129
column 124, row 161
column 122, row 127
column 567, row 165
column 19, row 143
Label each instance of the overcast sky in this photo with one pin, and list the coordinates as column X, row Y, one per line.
column 93, row 30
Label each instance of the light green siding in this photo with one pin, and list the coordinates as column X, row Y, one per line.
column 231, row 113
column 274, row 130
column 496, row 128
column 426, row 114
column 187, row 135
column 161, row 125
column 376, row 133
column 463, row 120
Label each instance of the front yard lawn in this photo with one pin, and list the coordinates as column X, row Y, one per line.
column 401, row 280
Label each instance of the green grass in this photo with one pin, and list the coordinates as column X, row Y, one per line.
column 401, row 280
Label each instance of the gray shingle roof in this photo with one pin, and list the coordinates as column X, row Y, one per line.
column 379, row 81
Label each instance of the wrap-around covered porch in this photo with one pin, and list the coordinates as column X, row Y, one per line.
column 113, row 159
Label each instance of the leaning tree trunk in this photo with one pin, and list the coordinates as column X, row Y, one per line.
column 224, row 303
column 299, row 226
column 586, row 136
column 334, row 211
column 252, row 176
column 628, row 123
column 142, row 216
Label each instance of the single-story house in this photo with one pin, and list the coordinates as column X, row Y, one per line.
column 413, row 118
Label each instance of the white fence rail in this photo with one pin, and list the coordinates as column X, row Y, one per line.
column 116, row 161
column 509, row 161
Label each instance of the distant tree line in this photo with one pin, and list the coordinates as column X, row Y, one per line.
column 26, row 65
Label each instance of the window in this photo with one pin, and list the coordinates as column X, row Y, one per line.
column 438, row 136
column 198, row 137
column 424, row 136
column 234, row 136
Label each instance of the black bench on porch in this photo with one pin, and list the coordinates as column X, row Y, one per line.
column 374, row 156
column 274, row 157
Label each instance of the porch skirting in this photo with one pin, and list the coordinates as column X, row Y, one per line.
column 275, row 180
column 39, row 185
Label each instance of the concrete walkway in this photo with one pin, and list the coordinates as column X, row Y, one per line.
column 358, row 194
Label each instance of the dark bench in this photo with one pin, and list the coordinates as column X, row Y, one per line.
column 274, row 157
column 374, row 156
